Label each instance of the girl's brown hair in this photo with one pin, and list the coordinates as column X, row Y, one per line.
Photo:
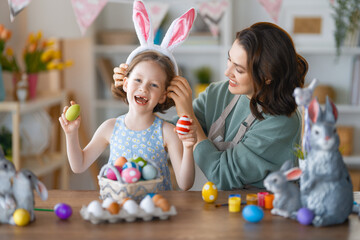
column 271, row 56
column 166, row 65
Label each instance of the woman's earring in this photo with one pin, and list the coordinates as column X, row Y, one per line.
column 268, row 81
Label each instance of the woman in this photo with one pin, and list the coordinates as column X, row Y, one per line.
column 248, row 125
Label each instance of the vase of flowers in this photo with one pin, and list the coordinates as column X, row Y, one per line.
column 39, row 55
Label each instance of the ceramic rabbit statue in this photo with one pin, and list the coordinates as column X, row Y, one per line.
column 7, row 202
column 325, row 185
column 286, row 194
column 24, row 183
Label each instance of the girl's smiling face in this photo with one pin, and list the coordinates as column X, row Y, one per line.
column 145, row 86
column 237, row 72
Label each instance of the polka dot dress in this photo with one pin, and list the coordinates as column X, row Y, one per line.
column 147, row 144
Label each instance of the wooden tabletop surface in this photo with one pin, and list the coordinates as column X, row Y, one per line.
column 195, row 219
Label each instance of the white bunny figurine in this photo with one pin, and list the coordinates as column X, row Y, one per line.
column 175, row 35
column 303, row 98
column 7, row 202
column 24, row 183
column 325, row 185
column 286, row 194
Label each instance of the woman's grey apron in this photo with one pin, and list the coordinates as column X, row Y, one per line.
column 216, row 135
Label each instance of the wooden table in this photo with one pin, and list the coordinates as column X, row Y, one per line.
column 195, row 220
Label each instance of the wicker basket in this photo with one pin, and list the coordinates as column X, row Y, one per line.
column 118, row 189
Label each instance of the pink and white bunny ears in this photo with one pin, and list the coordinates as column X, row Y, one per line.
column 176, row 34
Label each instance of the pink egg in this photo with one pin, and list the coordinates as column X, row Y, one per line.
column 110, row 173
column 183, row 125
column 130, row 175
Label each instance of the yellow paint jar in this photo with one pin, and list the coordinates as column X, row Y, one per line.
column 234, row 202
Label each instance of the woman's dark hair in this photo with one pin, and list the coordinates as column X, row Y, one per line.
column 271, row 56
column 166, row 65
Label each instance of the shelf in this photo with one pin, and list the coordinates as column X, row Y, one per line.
column 352, row 162
column 47, row 162
column 320, row 50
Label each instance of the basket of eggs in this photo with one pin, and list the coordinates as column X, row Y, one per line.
column 129, row 179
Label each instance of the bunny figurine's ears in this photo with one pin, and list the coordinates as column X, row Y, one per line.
column 330, row 113
column 176, row 34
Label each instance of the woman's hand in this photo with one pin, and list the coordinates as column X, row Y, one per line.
column 119, row 74
column 180, row 91
column 69, row 127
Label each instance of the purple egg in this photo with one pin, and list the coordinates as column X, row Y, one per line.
column 62, row 210
column 305, row 216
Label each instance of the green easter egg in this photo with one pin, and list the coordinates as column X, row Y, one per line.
column 140, row 161
column 73, row 112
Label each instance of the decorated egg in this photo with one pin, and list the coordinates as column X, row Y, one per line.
column 63, row 211
column 120, row 161
column 21, row 217
column 305, row 216
column 131, row 165
column 130, row 175
column 156, row 197
column 253, row 213
column 147, row 204
column 113, row 208
column 163, row 204
column 209, row 192
column 95, row 208
column 110, row 173
column 183, row 125
column 139, row 161
column 73, row 112
column 149, row 172
column 131, row 206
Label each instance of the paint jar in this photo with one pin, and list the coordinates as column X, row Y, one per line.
column 234, row 202
column 261, row 199
column 251, row 199
column 269, row 201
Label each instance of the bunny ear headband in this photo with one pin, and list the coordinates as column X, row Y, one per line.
column 176, row 34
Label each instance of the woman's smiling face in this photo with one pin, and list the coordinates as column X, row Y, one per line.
column 237, row 72
column 145, row 86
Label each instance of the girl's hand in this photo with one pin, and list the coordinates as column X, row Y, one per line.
column 119, row 74
column 189, row 139
column 180, row 91
column 69, row 126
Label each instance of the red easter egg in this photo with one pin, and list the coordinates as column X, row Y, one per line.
column 183, row 125
column 130, row 175
column 110, row 173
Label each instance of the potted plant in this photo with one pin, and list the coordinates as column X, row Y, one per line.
column 347, row 22
column 203, row 75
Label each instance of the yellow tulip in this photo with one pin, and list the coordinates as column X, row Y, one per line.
column 69, row 63
column 49, row 43
column 60, row 66
column 39, row 35
column 31, row 38
column 51, row 66
column 46, row 56
column 57, row 54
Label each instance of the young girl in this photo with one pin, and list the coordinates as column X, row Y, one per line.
column 139, row 133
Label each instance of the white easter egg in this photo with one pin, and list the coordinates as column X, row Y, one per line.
column 147, row 204
column 149, row 172
column 106, row 203
column 131, row 206
column 95, row 208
